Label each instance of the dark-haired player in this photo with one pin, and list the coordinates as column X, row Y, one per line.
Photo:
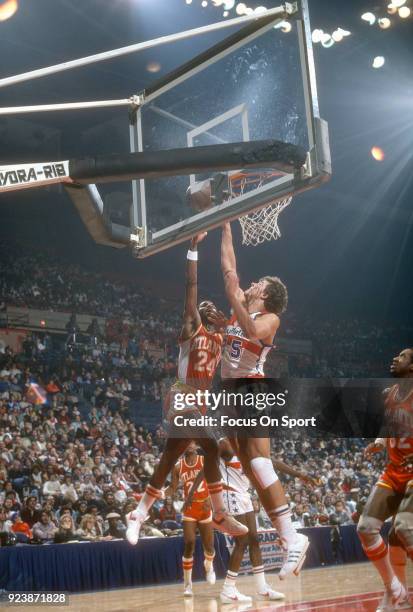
column 393, row 493
column 249, row 338
column 200, row 353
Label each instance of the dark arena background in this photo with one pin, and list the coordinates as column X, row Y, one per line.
column 89, row 333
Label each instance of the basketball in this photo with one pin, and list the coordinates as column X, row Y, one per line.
column 199, row 196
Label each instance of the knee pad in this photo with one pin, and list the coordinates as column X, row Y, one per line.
column 368, row 529
column 263, row 471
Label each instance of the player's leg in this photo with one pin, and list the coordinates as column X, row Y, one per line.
column 264, row 591
column 173, row 450
column 230, row 593
column 398, row 557
column 189, row 527
column 255, row 456
column 222, row 520
column 206, row 531
column 403, row 522
column 382, row 503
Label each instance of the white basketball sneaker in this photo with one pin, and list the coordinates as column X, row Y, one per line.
column 134, row 521
column 295, row 557
column 395, row 600
column 231, row 595
column 188, row 592
column 210, row 576
column 269, row 594
column 225, row 523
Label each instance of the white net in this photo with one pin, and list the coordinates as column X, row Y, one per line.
column 260, row 225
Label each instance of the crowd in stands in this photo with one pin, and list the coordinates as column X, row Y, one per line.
column 71, row 468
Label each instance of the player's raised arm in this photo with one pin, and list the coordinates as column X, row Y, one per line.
column 229, row 263
column 192, row 319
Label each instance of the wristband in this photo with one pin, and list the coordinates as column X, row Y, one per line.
column 192, row 255
column 381, row 441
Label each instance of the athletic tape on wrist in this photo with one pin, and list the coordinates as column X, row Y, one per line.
column 192, row 255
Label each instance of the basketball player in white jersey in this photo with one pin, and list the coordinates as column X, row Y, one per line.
column 239, row 504
column 249, row 337
column 199, row 356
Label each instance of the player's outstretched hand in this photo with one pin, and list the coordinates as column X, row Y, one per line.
column 372, row 449
column 198, row 238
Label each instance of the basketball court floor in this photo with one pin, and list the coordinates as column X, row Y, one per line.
column 348, row 588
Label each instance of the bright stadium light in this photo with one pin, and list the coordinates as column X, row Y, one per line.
column 286, row 27
column 337, row 36
column 260, row 10
column 229, row 4
column 404, row 12
column 378, row 61
column 8, row 9
column 204, row 3
column 217, row 2
column 188, row 1
column 377, row 153
column 384, row 23
column 327, row 41
column 241, row 9
column 392, row 9
column 398, row 3
column 317, row 36
column 369, row 17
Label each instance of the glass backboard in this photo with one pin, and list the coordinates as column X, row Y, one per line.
column 257, row 85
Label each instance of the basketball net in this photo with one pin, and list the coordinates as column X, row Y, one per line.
column 260, row 225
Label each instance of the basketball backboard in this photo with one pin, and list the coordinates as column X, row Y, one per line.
column 257, row 85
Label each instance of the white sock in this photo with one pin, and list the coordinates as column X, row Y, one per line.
column 281, row 519
column 259, row 578
column 208, row 562
column 148, row 499
column 230, row 579
column 187, row 564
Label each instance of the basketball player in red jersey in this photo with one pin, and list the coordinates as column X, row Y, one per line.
column 197, row 514
column 249, row 338
column 393, row 493
column 199, row 356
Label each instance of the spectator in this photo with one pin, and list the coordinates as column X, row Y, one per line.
column 341, row 516
column 30, row 514
column 5, row 523
column 65, row 532
column 89, row 528
column 52, row 486
column 45, row 529
column 167, row 512
column 116, row 529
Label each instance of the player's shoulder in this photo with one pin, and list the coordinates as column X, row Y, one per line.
column 389, row 390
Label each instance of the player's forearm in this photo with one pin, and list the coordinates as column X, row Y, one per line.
column 282, row 467
column 243, row 317
column 191, row 286
column 228, row 261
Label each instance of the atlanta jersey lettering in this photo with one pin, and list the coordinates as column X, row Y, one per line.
column 241, row 357
column 187, row 475
column 199, row 357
